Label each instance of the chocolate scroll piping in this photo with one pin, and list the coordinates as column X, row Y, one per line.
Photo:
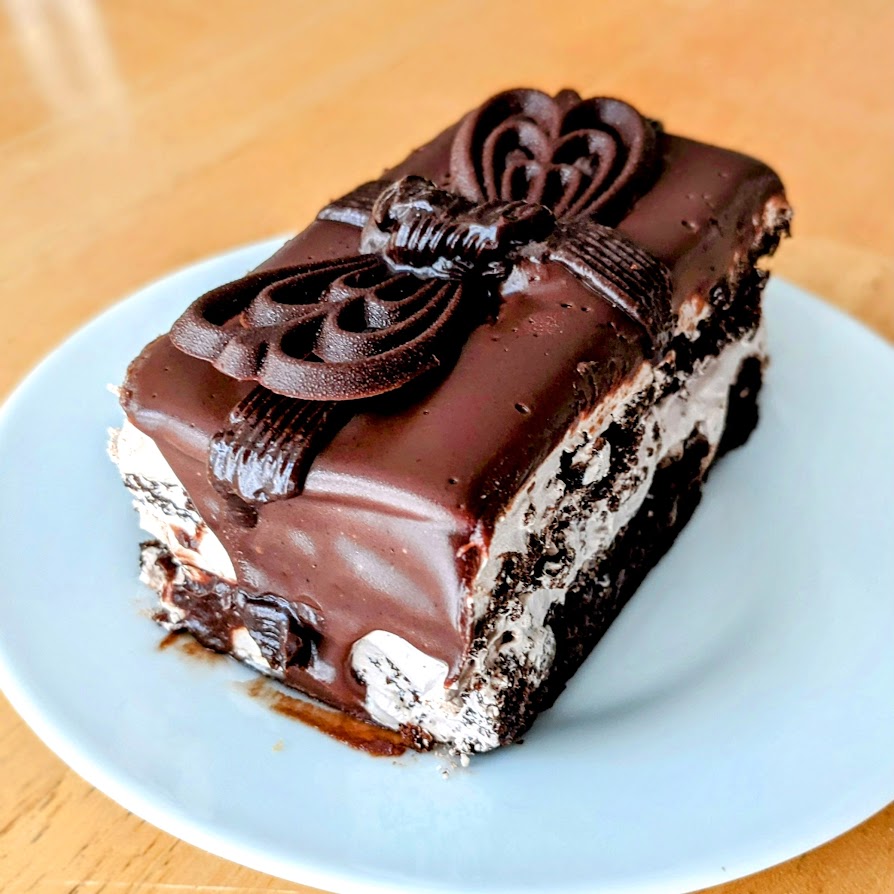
column 338, row 330
column 618, row 270
column 590, row 158
column 530, row 176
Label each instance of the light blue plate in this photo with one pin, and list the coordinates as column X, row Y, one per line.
column 740, row 711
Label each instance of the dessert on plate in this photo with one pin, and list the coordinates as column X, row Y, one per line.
column 416, row 463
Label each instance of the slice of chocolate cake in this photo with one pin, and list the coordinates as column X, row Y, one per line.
column 416, row 463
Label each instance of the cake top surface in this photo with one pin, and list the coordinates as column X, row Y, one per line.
column 462, row 439
column 531, row 180
column 404, row 488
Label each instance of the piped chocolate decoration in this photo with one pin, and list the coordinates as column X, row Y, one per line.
column 591, row 158
column 532, row 178
column 618, row 270
column 336, row 330
column 423, row 230
column 264, row 455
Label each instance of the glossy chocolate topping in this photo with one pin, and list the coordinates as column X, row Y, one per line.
column 365, row 324
column 591, row 158
column 396, row 511
column 316, row 335
column 362, row 325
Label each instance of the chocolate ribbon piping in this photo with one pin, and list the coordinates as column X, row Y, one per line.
column 263, row 455
column 528, row 172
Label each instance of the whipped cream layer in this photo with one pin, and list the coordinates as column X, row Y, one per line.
column 165, row 509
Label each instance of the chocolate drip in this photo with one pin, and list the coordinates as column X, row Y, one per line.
column 265, row 453
column 284, row 631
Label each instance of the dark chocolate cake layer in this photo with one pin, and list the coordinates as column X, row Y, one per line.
column 400, row 526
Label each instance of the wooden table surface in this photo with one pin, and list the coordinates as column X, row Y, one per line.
column 136, row 137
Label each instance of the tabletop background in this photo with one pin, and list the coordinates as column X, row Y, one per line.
column 136, row 137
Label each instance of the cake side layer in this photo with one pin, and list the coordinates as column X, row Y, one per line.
column 603, row 587
column 568, row 518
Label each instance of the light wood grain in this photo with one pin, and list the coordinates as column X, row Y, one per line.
column 136, row 137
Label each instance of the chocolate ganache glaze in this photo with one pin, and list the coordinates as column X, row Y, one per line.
column 396, row 512
column 534, row 176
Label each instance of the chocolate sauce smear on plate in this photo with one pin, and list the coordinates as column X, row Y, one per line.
column 187, row 644
column 358, row 734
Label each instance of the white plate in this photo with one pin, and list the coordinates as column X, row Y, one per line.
column 740, row 711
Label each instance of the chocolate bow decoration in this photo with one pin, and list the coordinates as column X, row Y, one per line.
column 533, row 179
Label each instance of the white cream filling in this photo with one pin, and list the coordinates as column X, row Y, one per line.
column 243, row 647
column 406, row 686
column 156, row 578
column 167, row 514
